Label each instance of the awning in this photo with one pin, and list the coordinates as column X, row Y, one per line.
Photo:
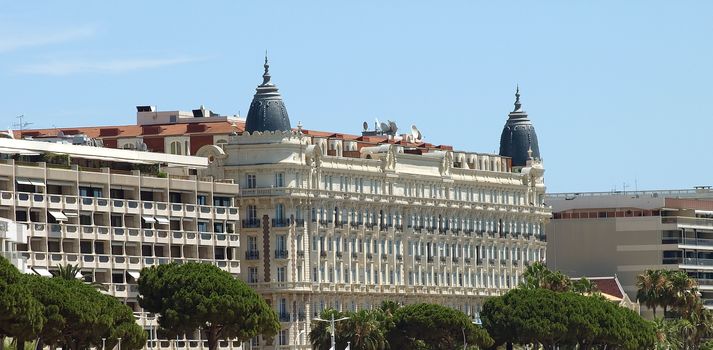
column 37, row 182
column 61, row 183
column 704, row 212
column 162, row 220
column 150, row 189
column 186, row 218
column 70, row 213
column 58, row 215
column 23, row 181
column 148, row 219
column 134, row 274
column 42, row 271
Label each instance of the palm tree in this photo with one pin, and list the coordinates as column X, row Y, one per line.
column 364, row 331
column 584, row 286
column 556, row 281
column 682, row 291
column 652, row 286
column 321, row 334
column 534, row 275
column 70, row 272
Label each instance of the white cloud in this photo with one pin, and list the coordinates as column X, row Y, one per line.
column 13, row 41
column 110, row 66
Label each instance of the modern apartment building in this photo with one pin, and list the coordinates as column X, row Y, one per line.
column 347, row 221
column 626, row 233
column 113, row 212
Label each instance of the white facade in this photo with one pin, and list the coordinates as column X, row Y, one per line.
column 12, row 234
column 329, row 224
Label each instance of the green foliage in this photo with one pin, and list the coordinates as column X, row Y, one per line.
column 550, row 318
column 191, row 296
column 418, row 326
column 538, row 275
column 78, row 316
column 70, row 272
column 21, row 315
column 56, row 158
column 435, row 327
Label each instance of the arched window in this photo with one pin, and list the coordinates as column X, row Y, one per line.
column 176, row 147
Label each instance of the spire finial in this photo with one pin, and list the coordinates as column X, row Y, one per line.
column 518, row 105
column 266, row 75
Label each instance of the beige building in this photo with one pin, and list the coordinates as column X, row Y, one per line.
column 113, row 212
column 624, row 234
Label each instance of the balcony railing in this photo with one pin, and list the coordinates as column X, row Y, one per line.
column 284, row 317
column 282, row 254
column 252, row 255
column 280, row 222
column 680, row 220
column 251, row 223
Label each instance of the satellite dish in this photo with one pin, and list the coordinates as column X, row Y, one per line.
column 415, row 134
column 392, row 127
column 384, row 127
column 140, row 146
column 365, row 126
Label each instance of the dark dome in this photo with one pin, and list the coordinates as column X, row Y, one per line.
column 267, row 111
column 519, row 140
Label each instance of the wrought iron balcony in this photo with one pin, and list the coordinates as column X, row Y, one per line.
column 251, row 223
column 280, row 222
column 282, row 254
column 252, row 255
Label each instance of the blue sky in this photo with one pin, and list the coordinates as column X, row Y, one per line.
column 619, row 92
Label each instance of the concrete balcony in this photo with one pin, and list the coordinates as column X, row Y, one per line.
column 687, row 221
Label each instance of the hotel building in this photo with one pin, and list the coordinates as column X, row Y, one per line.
column 347, row 221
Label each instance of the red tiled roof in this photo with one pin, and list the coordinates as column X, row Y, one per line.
column 607, row 285
column 205, row 128
column 126, row 131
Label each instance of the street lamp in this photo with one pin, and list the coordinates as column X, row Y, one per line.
column 119, row 343
column 476, row 321
column 103, row 343
column 331, row 325
column 299, row 334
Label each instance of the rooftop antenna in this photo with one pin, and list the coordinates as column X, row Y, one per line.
column 21, row 123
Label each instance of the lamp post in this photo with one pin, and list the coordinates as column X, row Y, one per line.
column 297, row 338
column 331, row 325
column 119, row 342
column 103, row 343
column 476, row 321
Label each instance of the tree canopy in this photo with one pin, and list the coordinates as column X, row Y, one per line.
column 435, row 327
column 391, row 326
column 79, row 316
column 543, row 316
column 21, row 315
column 193, row 295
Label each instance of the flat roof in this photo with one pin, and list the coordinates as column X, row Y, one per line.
column 14, row 146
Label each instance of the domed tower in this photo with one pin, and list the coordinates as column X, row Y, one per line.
column 519, row 140
column 267, row 111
